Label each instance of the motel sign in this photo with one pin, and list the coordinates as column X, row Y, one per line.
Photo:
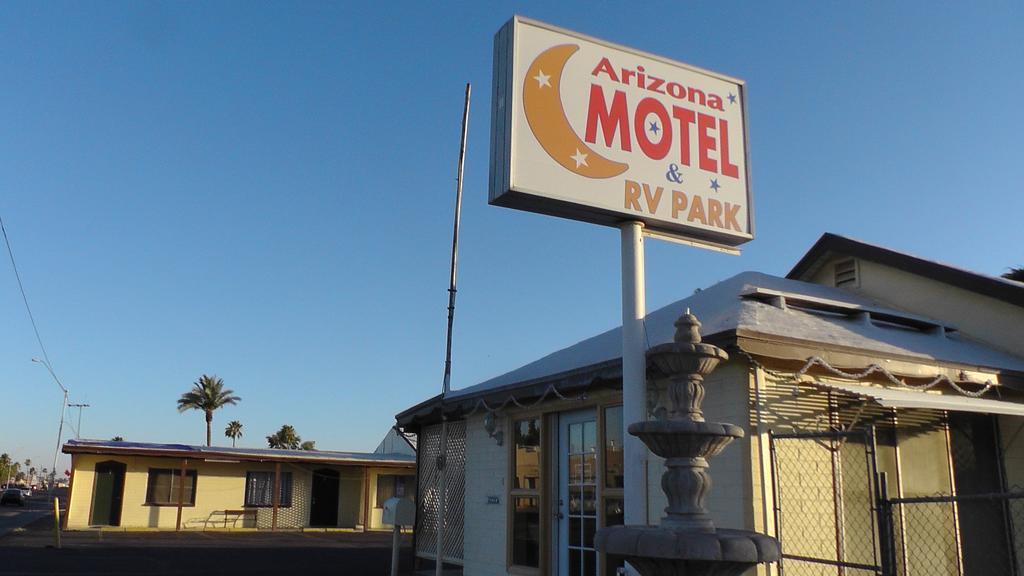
column 591, row 131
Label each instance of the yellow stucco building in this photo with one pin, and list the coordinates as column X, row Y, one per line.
column 136, row 485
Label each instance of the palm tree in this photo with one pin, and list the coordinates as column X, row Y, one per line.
column 6, row 468
column 1015, row 274
column 233, row 431
column 308, row 445
column 208, row 394
column 285, row 438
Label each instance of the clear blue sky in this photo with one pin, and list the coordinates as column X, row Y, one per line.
column 264, row 191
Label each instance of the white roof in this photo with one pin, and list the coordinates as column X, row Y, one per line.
column 723, row 308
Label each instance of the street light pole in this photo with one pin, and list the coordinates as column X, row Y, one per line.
column 78, row 430
column 63, row 408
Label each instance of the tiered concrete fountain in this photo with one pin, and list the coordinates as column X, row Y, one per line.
column 686, row 543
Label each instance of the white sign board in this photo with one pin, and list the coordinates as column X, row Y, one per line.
column 592, row 131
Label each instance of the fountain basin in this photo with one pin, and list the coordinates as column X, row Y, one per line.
column 685, row 438
column 659, row 552
column 686, row 358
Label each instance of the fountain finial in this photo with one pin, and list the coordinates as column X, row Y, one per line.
column 687, row 329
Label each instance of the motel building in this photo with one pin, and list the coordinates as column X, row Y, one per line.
column 882, row 397
column 136, row 485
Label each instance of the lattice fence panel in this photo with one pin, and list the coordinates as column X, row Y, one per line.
column 455, row 490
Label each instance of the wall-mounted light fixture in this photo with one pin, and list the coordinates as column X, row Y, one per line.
column 491, row 426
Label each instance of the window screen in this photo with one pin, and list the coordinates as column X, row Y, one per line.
column 259, row 489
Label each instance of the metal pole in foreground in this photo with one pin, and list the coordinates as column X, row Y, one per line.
column 56, row 521
column 634, row 371
column 60, row 432
column 442, row 487
column 442, row 458
column 396, row 536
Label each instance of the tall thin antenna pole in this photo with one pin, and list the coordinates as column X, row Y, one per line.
column 455, row 249
column 442, row 459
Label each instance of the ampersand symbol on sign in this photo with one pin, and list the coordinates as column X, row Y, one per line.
column 673, row 174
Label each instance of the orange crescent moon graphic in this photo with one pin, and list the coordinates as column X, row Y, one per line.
column 542, row 102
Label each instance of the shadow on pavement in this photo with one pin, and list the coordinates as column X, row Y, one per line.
column 30, row 551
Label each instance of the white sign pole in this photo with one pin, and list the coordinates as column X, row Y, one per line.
column 634, row 371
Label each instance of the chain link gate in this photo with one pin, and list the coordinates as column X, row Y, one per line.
column 953, row 535
column 824, row 489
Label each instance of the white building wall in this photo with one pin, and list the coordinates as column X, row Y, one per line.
column 485, row 527
column 730, row 502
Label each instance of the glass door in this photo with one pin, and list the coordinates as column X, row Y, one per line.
column 577, row 493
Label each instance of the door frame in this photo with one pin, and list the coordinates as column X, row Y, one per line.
column 559, row 500
column 120, row 470
column 598, row 400
column 312, row 495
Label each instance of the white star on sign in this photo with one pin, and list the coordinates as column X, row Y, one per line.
column 580, row 158
column 542, row 79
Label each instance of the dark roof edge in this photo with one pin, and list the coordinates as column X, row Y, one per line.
column 594, row 376
column 72, row 447
column 993, row 287
column 601, row 375
column 609, row 373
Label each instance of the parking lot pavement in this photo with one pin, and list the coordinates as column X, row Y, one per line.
column 30, row 551
column 14, row 517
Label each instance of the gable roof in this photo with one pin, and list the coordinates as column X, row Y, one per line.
column 1008, row 291
column 752, row 304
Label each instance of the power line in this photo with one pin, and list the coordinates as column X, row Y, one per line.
column 46, row 357
column 24, row 298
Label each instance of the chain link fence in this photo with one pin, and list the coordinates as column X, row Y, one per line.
column 835, row 517
column 824, row 504
column 962, row 535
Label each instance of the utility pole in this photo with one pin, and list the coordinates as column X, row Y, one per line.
column 78, row 429
column 63, row 408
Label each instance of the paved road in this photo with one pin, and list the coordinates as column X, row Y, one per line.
column 13, row 517
column 29, row 551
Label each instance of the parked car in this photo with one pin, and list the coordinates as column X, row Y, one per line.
column 12, row 496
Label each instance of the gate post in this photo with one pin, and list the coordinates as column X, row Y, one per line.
column 886, row 538
column 775, row 496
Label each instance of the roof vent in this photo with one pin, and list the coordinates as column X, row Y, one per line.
column 845, row 273
column 867, row 315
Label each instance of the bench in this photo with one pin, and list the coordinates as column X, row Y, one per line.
column 239, row 513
